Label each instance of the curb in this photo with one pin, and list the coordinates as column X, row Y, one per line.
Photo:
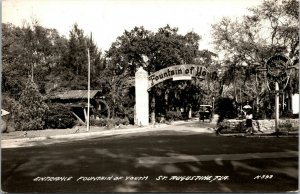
column 291, row 134
column 26, row 142
column 46, row 140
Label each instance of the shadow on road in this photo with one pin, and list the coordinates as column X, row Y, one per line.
column 119, row 157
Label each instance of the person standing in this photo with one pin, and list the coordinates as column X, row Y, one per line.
column 249, row 117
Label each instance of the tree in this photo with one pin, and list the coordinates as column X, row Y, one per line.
column 43, row 54
column 126, row 53
column 117, row 89
column 248, row 42
column 226, row 109
column 14, row 60
column 152, row 51
column 96, row 61
column 77, row 50
column 168, row 48
column 31, row 50
column 30, row 111
column 76, row 63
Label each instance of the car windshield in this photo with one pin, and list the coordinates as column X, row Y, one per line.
column 205, row 108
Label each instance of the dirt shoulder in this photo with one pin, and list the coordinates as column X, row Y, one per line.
column 57, row 132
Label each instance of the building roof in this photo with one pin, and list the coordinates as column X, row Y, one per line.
column 75, row 94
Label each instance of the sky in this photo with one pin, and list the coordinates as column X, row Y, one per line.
column 108, row 19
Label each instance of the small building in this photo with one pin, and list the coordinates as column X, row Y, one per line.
column 77, row 101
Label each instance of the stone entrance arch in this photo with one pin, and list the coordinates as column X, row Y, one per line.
column 143, row 83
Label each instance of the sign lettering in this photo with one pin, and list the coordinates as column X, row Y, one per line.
column 178, row 72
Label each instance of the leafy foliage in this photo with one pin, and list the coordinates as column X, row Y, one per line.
column 226, row 109
column 154, row 51
column 43, row 53
column 173, row 115
column 249, row 41
column 59, row 117
column 246, row 44
column 30, row 111
column 98, row 122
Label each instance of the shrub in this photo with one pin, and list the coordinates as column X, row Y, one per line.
column 258, row 115
column 98, row 122
column 59, row 117
column 289, row 115
column 30, row 112
column 110, row 123
column 125, row 121
column 173, row 115
column 287, row 126
column 226, row 109
column 121, row 121
column 129, row 114
column 160, row 119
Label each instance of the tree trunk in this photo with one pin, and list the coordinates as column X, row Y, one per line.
column 153, row 109
column 257, row 93
column 234, row 87
column 257, row 103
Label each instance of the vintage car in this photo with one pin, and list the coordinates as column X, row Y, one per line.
column 205, row 112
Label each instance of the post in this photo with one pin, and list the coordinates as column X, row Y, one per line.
column 88, row 109
column 257, row 95
column 283, row 102
column 213, row 105
column 141, row 97
column 153, row 109
column 276, row 106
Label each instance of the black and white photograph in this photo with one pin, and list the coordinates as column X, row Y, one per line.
column 161, row 96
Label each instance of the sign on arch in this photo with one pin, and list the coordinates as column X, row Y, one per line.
column 178, row 72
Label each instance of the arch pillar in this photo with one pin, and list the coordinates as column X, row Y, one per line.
column 141, row 97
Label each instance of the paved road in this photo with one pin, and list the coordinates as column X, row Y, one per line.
column 173, row 159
